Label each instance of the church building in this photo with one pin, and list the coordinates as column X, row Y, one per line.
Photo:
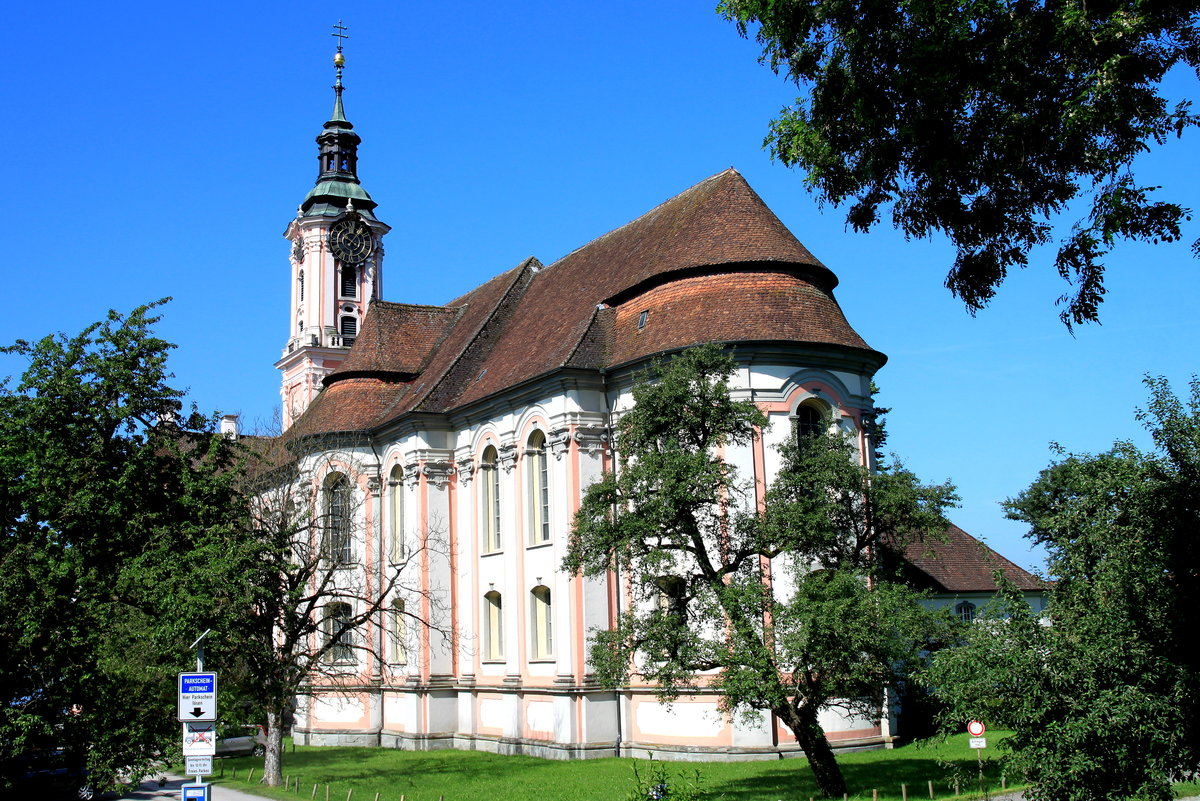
column 477, row 424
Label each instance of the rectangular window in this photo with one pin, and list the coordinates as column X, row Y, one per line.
column 349, row 281
column 493, row 647
column 541, row 624
column 338, row 633
column 399, row 633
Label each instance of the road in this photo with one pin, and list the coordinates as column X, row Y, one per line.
column 149, row 789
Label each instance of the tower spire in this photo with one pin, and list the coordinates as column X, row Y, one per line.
column 339, row 63
column 337, row 153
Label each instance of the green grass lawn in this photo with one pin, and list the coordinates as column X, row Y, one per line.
column 477, row 776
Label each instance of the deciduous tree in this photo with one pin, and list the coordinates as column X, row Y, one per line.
column 984, row 120
column 118, row 545
column 788, row 610
column 1103, row 698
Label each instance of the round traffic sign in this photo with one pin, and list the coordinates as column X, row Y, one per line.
column 976, row 729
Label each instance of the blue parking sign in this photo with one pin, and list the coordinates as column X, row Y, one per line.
column 195, row 792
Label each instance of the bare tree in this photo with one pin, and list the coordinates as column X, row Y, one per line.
column 329, row 592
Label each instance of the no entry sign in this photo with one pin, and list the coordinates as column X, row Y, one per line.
column 976, row 729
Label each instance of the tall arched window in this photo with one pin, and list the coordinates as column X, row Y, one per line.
column 302, row 285
column 541, row 624
column 490, row 512
column 493, row 637
column 537, row 480
column 338, row 516
column 338, row 634
column 810, row 421
column 398, row 550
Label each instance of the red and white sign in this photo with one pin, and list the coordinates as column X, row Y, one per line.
column 976, row 729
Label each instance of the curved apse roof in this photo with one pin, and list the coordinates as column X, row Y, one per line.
column 710, row 254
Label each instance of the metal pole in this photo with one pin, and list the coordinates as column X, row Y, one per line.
column 199, row 646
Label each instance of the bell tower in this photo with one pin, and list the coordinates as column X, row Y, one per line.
column 336, row 264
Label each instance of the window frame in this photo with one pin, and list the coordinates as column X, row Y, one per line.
column 399, row 633
column 541, row 624
column 489, row 466
column 398, row 541
column 493, row 619
column 537, row 476
column 341, row 645
column 338, row 539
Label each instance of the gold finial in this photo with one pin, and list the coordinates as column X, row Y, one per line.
column 339, row 60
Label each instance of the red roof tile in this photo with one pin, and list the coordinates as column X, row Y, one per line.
column 713, row 263
column 963, row 564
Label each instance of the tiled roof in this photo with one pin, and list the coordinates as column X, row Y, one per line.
column 713, row 263
column 962, row 564
column 398, row 338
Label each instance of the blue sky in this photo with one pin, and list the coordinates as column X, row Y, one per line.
column 161, row 149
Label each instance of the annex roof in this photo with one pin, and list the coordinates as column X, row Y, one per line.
column 963, row 564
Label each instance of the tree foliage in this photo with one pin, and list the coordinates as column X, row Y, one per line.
column 788, row 609
column 118, row 546
column 984, row 120
column 1103, row 699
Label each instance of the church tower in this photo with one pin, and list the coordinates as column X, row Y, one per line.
column 336, row 260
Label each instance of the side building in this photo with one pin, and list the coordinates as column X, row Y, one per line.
column 456, row 441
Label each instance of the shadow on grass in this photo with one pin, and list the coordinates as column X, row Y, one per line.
column 398, row 768
column 793, row 780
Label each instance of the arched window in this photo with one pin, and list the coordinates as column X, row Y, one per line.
column 965, row 611
column 541, row 624
column 338, row 634
column 398, row 550
column 537, row 480
column 493, row 618
column 302, row 285
column 349, row 281
column 810, row 422
column 399, row 633
column 338, row 541
column 490, row 512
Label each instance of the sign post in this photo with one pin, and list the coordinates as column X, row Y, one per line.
column 197, row 711
column 976, row 729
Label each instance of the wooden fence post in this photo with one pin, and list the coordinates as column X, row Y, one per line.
column 931, row 791
column 903, row 792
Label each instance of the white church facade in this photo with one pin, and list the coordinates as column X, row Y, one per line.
column 456, row 441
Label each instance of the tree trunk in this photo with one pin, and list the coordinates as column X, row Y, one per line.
column 273, row 760
column 811, row 738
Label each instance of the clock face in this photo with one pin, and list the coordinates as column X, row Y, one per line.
column 350, row 241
